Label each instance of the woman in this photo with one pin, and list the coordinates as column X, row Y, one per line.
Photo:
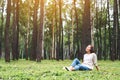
column 89, row 61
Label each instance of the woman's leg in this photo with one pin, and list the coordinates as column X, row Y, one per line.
column 75, row 65
column 75, row 62
column 84, row 68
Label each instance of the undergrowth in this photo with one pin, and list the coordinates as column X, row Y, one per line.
column 52, row 70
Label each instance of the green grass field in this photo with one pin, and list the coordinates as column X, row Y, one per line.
column 52, row 70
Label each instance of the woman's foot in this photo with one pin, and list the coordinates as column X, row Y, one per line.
column 70, row 68
column 67, row 68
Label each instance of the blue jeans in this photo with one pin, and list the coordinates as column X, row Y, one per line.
column 77, row 65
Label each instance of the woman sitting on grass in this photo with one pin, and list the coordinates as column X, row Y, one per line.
column 89, row 61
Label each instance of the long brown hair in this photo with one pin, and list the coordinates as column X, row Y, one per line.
column 92, row 49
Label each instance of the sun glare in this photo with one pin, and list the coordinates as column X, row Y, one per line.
column 23, row 1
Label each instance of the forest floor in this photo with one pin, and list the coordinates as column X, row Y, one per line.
column 53, row 70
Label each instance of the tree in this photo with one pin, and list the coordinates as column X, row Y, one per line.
column 53, row 34
column 24, row 29
column 60, row 30
column 34, row 35
column 15, row 52
column 28, row 27
column 17, row 22
column 40, row 35
column 67, row 32
column 57, row 32
column 77, row 29
column 119, row 33
column 105, row 35
column 115, row 32
column 109, row 29
column 86, row 27
column 7, row 41
column 1, row 29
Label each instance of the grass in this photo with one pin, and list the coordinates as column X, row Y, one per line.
column 52, row 70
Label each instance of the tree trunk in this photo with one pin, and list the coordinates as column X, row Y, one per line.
column 72, row 37
column 26, row 47
column 15, row 30
column 105, row 46
column 7, row 39
column 57, row 32
column 60, row 30
column 97, row 31
column 109, row 29
column 77, row 29
column 119, row 32
column 86, row 27
column 34, row 35
column 115, row 32
column 40, row 36
column 17, row 23
column 53, row 54
column 1, row 30
column 27, row 32
column 100, row 32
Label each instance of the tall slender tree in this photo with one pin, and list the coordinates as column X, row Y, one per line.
column 72, row 25
column 40, row 35
column 15, row 52
column 100, row 30
column 1, row 29
column 60, row 30
column 115, row 32
column 86, row 27
column 7, row 28
column 14, row 31
column 119, row 32
column 109, row 27
column 34, row 35
column 57, row 32
column 27, row 35
column 77, row 29
column 17, row 23
column 53, row 34
column 105, row 35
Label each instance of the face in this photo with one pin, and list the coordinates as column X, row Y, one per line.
column 88, row 48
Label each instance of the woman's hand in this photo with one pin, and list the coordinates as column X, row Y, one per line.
column 97, row 68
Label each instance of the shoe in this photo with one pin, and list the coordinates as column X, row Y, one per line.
column 67, row 68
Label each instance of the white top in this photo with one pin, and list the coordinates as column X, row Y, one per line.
column 90, row 60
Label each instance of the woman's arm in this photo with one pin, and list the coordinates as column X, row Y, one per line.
column 95, row 62
column 97, row 68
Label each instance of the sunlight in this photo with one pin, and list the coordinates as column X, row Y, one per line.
column 23, row 1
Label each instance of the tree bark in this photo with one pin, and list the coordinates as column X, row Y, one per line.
column 1, row 30
column 53, row 54
column 109, row 29
column 119, row 32
column 15, row 30
column 86, row 27
column 115, row 32
column 17, row 23
column 40, row 36
column 60, row 30
column 72, row 37
column 105, row 46
column 57, row 32
column 7, row 39
column 77, row 29
column 34, row 35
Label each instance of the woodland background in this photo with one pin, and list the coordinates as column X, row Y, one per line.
column 59, row 29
